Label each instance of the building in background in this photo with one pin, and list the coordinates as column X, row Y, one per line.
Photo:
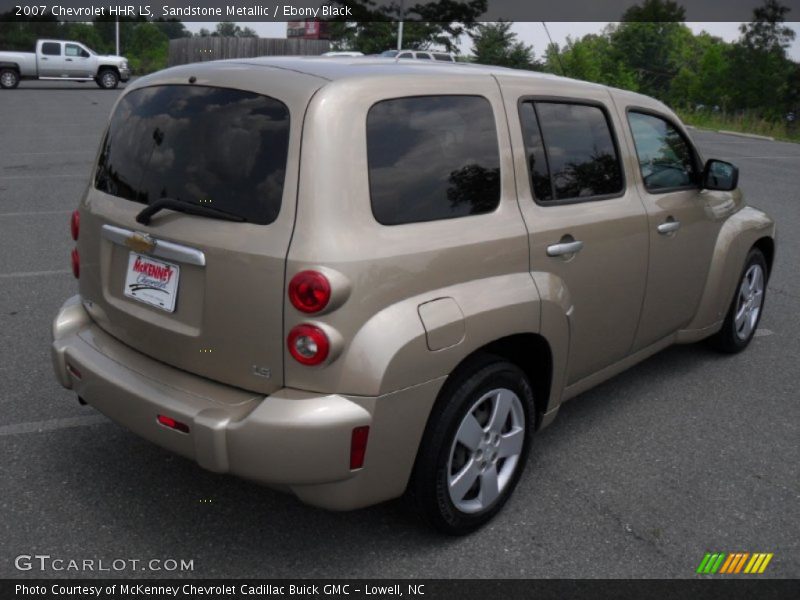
column 308, row 30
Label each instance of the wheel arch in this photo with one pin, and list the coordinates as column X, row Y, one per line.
column 746, row 229
column 530, row 352
column 767, row 246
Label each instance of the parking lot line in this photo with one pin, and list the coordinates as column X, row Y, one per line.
column 43, row 176
column 35, row 213
column 51, row 425
column 33, row 273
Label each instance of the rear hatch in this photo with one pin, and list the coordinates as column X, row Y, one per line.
column 193, row 290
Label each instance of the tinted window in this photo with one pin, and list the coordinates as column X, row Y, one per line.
column 51, row 49
column 665, row 158
column 432, row 157
column 218, row 147
column 581, row 155
column 443, row 57
column 406, row 55
column 423, row 56
column 535, row 156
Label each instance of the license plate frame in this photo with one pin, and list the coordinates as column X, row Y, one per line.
column 152, row 281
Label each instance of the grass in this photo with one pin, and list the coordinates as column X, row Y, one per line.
column 742, row 123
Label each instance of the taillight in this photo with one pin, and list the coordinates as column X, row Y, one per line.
column 75, row 225
column 172, row 423
column 309, row 291
column 358, row 446
column 76, row 263
column 308, row 344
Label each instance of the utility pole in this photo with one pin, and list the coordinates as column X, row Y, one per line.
column 400, row 26
column 116, row 31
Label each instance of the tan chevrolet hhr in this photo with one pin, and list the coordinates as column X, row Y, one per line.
column 360, row 278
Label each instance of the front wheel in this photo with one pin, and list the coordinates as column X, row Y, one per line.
column 108, row 79
column 9, row 79
column 475, row 447
column 746, row 307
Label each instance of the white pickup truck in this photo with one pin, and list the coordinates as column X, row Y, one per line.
column 64, row 61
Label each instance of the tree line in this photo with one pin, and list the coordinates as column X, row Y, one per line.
column 651, row 50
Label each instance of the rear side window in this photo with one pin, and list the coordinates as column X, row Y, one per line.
column 666, row 159
column 222, row 148
column 432, row 157
column 51, row 49
column 443, row 57
column 570, row 151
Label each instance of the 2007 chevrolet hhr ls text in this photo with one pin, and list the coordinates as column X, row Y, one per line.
column 358, row 278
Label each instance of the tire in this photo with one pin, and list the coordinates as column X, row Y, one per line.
column 746, row 307
column 9, row 79
column 461, row 478
column 107, row 79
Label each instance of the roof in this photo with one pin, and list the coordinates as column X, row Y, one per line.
column 342, row 68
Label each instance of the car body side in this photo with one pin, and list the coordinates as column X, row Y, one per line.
column 423, row 298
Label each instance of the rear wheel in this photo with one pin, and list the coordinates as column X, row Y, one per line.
column 9, row 79
column 108, row 79
column 746, row 307
column 474, row 448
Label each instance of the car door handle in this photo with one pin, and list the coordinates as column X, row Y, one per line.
column 563, row 248
column 69, row 60
column 669, row 226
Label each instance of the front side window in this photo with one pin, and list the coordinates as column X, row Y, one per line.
column 51, row 49
column 570, row 150
column 72, row 50
column 432, row 157
column 666, row 159
column 221, row 148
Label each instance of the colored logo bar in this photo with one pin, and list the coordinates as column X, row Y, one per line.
column 734, row 563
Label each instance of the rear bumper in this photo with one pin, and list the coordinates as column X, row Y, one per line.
column 290, row 439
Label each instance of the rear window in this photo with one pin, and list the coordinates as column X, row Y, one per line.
column 216, row 147
column 432, row 157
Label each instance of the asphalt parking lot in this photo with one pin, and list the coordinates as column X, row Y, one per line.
column 686, row 453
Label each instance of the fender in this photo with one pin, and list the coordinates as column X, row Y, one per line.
column 736, row 237
column 384, row 355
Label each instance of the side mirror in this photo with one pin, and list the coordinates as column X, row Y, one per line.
column 720, row 175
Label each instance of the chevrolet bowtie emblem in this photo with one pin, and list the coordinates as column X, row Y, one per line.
column 141, row 242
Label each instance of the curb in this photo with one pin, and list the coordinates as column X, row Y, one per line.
column 747, row 135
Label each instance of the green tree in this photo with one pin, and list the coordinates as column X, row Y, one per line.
column 87, row 34
column 173, row 28
column 651, row 42
column 372, row 29
column 703, row 77
column 496, row 44
column 592, row 58
column 148, row 48
column 230, row 29
column 20, row 34
column 761, row 75
column 106, row 27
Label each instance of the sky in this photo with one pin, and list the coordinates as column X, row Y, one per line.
column 533, row 34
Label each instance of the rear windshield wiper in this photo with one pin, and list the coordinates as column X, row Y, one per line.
column 190, row 209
